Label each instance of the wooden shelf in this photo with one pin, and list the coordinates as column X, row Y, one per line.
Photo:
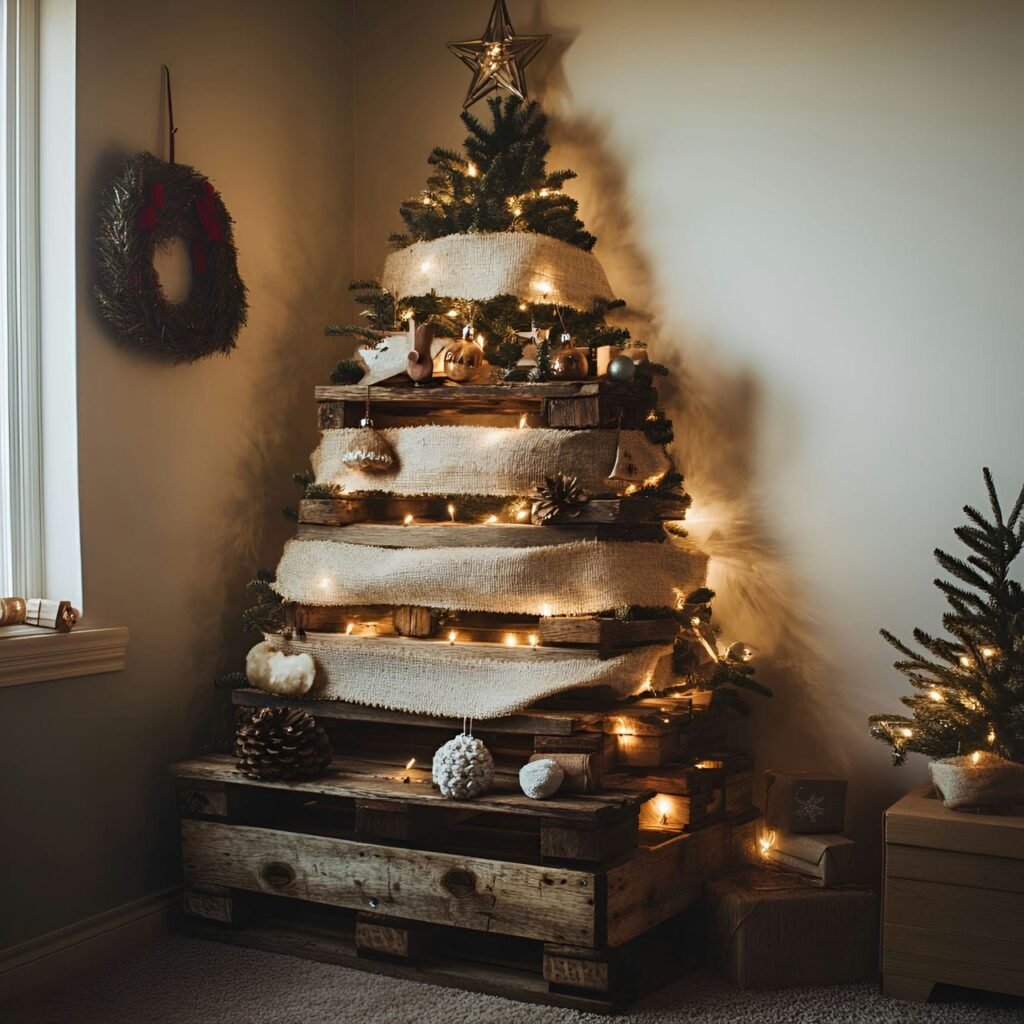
column 483, row 535
column 356, row 779
column 561, row 404
column 537, row 722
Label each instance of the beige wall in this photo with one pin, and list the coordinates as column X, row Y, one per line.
column 819, row 204
column 183, row 470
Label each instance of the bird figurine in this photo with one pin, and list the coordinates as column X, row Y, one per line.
column 420, row 365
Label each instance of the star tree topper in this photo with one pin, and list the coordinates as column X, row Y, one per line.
column 499, row 59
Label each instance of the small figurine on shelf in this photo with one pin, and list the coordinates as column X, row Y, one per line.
column 420, row 366
column 463, row 359
column 568, row 362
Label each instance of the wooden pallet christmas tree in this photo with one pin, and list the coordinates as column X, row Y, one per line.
column 494, row 541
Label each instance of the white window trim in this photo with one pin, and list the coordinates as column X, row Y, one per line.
column 43, row 436
column 38, row 440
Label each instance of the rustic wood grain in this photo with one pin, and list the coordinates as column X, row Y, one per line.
column 481, row 535
column 536, row 722
column 350, row 778
column 997, row 873
column 576, row 630
column 546, row 903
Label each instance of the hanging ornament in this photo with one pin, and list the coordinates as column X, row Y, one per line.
column 567, row 362
column 498, row 59
column 463, row 359
column 463, row 768
column 626, row 468
column 369, row 452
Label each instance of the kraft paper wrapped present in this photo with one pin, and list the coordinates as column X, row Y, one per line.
column 826, row 860
column 769, row 929
column 805, row 802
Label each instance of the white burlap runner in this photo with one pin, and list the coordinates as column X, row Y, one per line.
column 564, row 579
column 488, row 460
column 434, row 678
column 483, row 266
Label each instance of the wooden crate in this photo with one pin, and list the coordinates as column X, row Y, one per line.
column 572, row 876
column 558, row 404
column 953, row 903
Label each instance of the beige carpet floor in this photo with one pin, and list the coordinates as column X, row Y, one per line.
column 179, row 980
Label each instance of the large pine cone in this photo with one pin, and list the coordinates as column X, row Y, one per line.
column 559, row 496
column 282, row 743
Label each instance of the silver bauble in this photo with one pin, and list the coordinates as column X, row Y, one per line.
column 622, row 369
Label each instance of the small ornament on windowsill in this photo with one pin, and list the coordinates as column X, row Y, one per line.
column 38, row 611
column 369, row 452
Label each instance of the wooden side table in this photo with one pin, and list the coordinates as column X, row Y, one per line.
column 953, row 900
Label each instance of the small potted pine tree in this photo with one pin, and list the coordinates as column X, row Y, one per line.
column 968, row 710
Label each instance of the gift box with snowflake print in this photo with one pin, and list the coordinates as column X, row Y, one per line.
column 804, row 802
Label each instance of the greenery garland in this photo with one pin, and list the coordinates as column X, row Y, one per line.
column 149, row 203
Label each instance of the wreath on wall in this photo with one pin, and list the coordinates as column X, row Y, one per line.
column 148, row 204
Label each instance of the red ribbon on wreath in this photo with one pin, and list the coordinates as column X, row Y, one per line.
column 147, row 215
column 206, row 212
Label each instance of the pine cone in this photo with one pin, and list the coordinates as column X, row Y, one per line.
column 282, row 743
column 559, row 495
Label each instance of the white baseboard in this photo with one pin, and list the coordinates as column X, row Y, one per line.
column 58, row 954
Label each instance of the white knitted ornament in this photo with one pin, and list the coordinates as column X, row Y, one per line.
column 463, row 768
column 541, row 779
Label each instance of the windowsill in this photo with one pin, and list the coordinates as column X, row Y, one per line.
column 29, row 654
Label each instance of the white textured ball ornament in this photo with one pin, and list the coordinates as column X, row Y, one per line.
column 463, row 768
column 541, row 779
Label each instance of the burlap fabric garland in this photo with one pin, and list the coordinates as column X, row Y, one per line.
column 565, row 579
column 488, row 460
column 484, row 266
column 452, row 680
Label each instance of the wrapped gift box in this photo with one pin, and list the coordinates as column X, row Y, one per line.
column 826, row 859
column 805, row 802
column 773, row 930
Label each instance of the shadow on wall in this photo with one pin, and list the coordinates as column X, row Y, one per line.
column 715, row 410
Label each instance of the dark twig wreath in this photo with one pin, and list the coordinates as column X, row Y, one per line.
column 148, row 204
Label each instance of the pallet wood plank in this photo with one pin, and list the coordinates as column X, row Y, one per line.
column 481, row 535
column 537, row 722
column 546, row 903
column 348, row 780
column 663, row 881
column 574, row 630
column 637, row 510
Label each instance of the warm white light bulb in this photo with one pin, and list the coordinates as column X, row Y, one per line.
column 451, row 636
column 935, row 696
column 906, row 733
column 426, row 265
column 472, row 170
column 976, row 757
column 492, row 519
column 451, row 512
column 511, row 640
column 408, row 519
column 965, row 661
column 534, row 640
column 522, row 515
column 988, row 652
column 410, row 763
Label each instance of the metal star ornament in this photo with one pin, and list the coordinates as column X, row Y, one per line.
column 499, row 59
